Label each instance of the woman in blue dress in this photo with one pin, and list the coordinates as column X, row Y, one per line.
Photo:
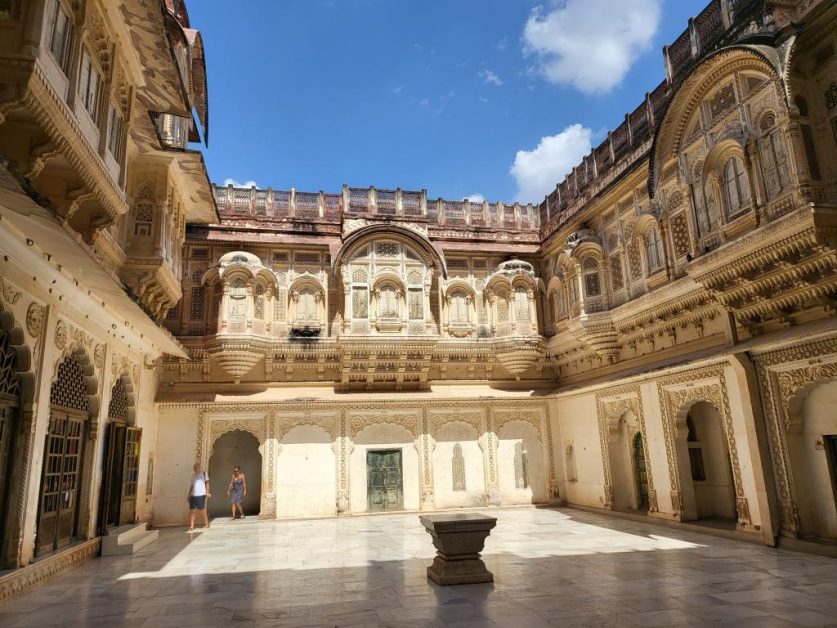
column 237, row 490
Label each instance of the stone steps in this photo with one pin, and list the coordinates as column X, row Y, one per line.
column 128, row 539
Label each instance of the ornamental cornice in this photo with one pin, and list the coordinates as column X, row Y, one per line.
column 212, row 408
column 795, row 353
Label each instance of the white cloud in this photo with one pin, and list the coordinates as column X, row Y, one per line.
column 502, row 44
column 590, row 44
column 475, row 198
column 539, row 170
column 236, row 184
column 489, row 77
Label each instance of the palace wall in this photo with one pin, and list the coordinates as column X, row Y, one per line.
column 459, row 452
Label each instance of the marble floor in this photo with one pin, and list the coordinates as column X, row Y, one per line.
column 552, row 567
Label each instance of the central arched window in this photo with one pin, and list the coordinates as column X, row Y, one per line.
column 238, row 299
column 653, row 249
column 521, row 303
column 736, row 186
column 459, row 314
column 306, row 306
column 388, row 298
column 774, row 157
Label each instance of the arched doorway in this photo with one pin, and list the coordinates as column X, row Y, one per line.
column 59, row 505
column 9, row 417
column 712, row 492
column 241, row 448
column 120, row 471
column 812, row 449
column 621, row 450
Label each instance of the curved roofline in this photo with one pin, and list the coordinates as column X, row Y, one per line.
column 389, row 229
column 752, row 49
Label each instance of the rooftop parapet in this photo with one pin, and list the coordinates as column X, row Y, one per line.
column 278, row 206
column 629, row 140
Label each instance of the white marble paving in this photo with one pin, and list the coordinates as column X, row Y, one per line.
column 552, row 567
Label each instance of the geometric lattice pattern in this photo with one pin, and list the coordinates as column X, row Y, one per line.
column 680, row 235
column 592, row 285
column 9, row 379
column 458, row 468
column 616, row 272
column 118, row 407
column 69, row 390
column 197, row 305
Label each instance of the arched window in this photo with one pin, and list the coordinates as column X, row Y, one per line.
column 259, row 303
column 572, row 290
column 521, row 303
column 306, row 305
column 736, row 186
column 237, row 307
column 561, row 302
column 808, row 139
column 653, row 249
column 703, row 200
column 592, row 282
column 459, row 313
column 774, row 157
column 502, row 307
column 144, row 210
column 388, row 306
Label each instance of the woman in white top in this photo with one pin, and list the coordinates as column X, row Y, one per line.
column 198, row 494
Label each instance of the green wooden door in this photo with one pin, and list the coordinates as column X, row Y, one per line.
column 385, row 480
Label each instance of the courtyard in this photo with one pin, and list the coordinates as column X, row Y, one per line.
column 552, row 567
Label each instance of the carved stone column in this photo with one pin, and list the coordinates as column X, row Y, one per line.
column 492, row 484
column 425, row 445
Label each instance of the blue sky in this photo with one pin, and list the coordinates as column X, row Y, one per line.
column 462, row 97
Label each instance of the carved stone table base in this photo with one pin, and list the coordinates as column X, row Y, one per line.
column 458, row 538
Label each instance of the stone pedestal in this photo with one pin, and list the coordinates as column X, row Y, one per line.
column 458, row 538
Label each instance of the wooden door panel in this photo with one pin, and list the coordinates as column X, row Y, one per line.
column 60, row 481
column 130, row 475
column 385, row 484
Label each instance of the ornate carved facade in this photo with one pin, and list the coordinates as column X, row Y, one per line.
column 658, row 335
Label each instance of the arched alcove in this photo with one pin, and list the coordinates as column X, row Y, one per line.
column 812, row 450
column 458, row 469
column 306, row 473
column 241, row 448
column 520, row 464
column 704, row 464
column 621, row 432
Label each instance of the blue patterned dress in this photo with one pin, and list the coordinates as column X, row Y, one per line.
column 237, row 492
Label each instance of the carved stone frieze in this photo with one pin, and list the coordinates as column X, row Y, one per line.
column 35, row 319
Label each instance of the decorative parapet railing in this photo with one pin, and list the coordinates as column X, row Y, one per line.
column 716, row 25
column 277, row 206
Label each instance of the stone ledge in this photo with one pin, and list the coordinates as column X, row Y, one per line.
column 21, row 580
